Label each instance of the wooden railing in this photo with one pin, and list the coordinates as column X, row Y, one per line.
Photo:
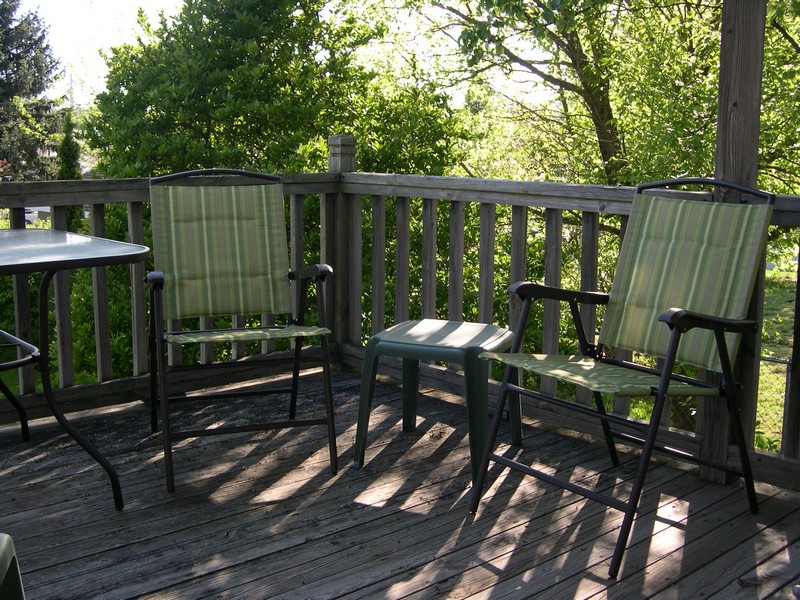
column 428, row 269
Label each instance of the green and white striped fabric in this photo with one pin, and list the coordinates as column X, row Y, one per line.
column 222, row 249
column 597, row 376
column 699, row 256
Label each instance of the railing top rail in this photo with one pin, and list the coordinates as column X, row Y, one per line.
column 19, row 194
column 542, row 194
column 564, row 196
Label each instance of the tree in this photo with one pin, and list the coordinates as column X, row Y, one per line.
column 28, row 124
column 237, row 83
column 563, row 44
column 69, row 151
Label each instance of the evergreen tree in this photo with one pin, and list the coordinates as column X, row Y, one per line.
column 27, row 121
column 69, row 166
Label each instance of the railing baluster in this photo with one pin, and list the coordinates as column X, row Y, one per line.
column 378, row 266
column 102, row 327
column 519, row 254
column 61, row 287
column 296, row 237
column 590, row 248
column 428, row 258
column 402, row 257
column 138, row 292
column 551, row 325
column 455, row 275
column 488, row 222
column 22, row 308
column 354, row 268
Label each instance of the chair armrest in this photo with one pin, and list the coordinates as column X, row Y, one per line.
column 155, row 278
column 534, row 291
column 320, row 271
column 685, row 320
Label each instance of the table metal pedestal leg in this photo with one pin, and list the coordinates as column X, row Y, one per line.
column 44, row 368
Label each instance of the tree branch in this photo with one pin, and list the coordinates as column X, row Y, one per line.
column 786, row 36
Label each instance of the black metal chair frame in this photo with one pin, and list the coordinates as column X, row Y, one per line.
column 645, row 434
column 28, row 354
column 159, row 368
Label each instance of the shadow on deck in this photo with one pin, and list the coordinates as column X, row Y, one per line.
column 260, row 516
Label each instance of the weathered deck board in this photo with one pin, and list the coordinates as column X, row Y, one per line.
column 259, row 516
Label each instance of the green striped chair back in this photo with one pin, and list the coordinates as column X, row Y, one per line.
column 222, row 249
column 677, row 253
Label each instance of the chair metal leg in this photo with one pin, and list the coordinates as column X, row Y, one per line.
column 638, row 485
column 163, row 393
column 298, row 348
column 154, row 397
column 23, row 416
column 329, row 408
column 612, row 450
column 744, row 454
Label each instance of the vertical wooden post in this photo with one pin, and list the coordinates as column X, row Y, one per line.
column 488, row 224
column 22, row 309
column 738, row 125
column 61, row 288
column 337, row 243
column 102, row 324
column 455, row 276
column 519, row 259
column 429, row 258
column 402, row 258
column 590, row 244
column 554, row 238
column 378, row 266
column 138, row 293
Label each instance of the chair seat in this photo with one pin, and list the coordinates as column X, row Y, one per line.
column 244, row 335
column 597, row 376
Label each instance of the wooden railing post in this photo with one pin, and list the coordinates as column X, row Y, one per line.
column 341, row 244
column 519, row 259
column 738, row 126
column 455, row 276
column 61, row 289
column 22, row 308
column 554, row 236
column 402, row 257
column 378, row 265
column 590, row 248
column 488, row 222
column 138, row 293
column 102, row 327
column 428, row 258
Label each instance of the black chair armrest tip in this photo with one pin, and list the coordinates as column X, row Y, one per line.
column 154, row 278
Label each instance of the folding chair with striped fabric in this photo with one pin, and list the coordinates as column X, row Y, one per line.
column 220, row 249
column 681, row 292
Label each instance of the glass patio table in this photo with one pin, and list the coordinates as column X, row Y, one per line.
column 49, row 251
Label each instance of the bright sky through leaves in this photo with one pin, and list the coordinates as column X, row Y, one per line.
column 78, row 30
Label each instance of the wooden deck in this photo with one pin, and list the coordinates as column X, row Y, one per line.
column 260, row 516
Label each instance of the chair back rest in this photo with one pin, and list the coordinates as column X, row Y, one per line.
column 678, row 253
column 222, row 247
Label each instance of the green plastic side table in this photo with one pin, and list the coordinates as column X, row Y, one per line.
column 445, row 341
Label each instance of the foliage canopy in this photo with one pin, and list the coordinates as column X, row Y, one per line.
column 28, row 122
column 248, row 84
